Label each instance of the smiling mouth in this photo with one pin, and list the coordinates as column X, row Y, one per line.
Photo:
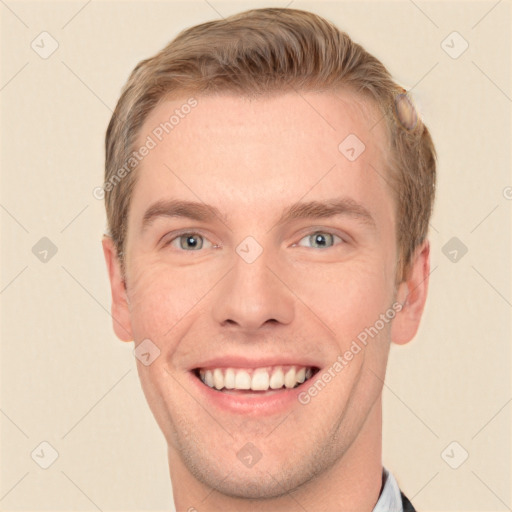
column 248, row 380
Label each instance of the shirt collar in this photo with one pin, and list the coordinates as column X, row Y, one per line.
column 390, row 499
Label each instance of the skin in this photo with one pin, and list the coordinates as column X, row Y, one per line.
column 251, row 159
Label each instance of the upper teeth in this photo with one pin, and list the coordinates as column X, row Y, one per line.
column 257, row 379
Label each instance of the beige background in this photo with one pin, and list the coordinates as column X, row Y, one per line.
column 67, row 380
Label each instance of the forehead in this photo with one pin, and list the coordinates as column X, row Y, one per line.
column 323, row 116
column 228, row 149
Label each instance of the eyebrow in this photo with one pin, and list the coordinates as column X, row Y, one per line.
column 175, row 208
column 301, row 210
column 325, row 209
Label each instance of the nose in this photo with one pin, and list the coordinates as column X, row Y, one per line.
column 252, row 296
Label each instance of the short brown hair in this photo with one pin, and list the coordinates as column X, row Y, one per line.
column 261, row 52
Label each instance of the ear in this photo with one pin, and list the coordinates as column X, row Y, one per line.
column 120, row 309
column 412, row 294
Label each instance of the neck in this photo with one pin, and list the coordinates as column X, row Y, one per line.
column 353, row 483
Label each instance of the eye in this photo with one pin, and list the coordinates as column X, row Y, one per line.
column 320, row 239
column 187, row 241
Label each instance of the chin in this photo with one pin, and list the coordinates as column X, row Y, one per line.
column 271, row 477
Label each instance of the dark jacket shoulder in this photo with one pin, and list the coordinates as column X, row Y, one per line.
column 407, row 505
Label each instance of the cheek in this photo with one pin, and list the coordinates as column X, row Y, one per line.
column 347, row 297
column 160, row 298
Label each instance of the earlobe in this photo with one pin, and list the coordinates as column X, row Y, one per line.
column 120, row 310
column 412, row 295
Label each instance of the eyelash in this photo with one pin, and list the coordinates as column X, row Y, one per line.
column 196, row 234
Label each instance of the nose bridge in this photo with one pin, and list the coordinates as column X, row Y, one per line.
column 251, row 294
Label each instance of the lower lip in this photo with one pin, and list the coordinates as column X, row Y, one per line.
column 257, row 403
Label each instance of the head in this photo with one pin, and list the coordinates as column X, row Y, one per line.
column 313, row 179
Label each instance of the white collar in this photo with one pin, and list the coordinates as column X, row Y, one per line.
column 390, row 499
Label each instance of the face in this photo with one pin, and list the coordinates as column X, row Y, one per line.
column 251, row 295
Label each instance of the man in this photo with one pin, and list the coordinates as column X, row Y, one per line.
column 268, row 193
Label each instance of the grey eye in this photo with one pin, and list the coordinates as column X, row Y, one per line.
column 320, row 240
column 192, row 241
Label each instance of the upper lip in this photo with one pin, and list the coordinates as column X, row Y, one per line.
column 231, row 361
